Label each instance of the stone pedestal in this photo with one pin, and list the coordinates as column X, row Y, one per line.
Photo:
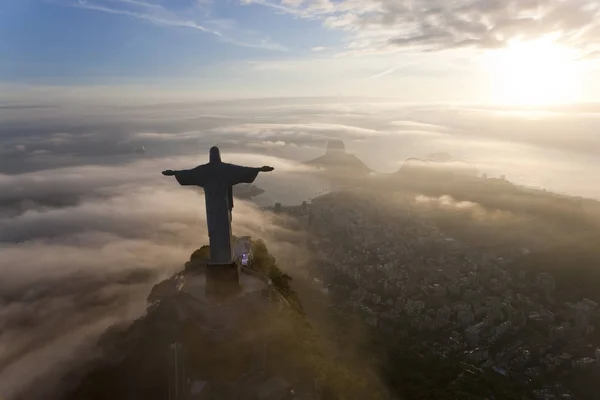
column 222, row 280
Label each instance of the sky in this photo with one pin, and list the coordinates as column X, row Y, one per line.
column 413, row 50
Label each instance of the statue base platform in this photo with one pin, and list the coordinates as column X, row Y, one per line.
column 222, row 280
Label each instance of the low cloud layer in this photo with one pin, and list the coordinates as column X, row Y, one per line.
column 70, row 270
column 555, row 148
column 474, row 210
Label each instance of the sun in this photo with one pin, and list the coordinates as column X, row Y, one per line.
column 534, row 73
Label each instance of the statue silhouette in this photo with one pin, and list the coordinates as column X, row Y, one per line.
column 217, row 178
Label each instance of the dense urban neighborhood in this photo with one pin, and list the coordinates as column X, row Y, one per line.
column 415, row 286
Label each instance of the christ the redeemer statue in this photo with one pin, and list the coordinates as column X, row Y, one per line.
column 217, row 178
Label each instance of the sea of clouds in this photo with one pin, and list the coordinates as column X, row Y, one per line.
column 88, row 224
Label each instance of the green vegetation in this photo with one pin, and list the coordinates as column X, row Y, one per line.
column 298, row 347
column 201, row 255
column 264, row 263
column 333, row 379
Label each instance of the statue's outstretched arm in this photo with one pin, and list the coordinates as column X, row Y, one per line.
column 189, row 177
column 266, row 168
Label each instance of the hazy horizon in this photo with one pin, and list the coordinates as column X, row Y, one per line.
column 533, row 147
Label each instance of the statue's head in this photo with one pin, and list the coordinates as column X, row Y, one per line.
column 215, row 155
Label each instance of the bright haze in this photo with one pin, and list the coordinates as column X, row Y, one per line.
column 97, row 97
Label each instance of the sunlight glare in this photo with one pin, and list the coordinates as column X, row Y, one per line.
column 534, row 73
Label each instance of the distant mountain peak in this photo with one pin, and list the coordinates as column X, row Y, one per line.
column 337, row 159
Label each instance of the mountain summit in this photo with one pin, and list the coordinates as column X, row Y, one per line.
column 337, row 160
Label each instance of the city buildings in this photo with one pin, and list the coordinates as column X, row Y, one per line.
column 404, row 276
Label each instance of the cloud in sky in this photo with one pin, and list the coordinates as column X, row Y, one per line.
column 296, row 130
column 196, row 16
column 283, row 48
column 387, row 25
column 382, row 132
column 156, row 18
